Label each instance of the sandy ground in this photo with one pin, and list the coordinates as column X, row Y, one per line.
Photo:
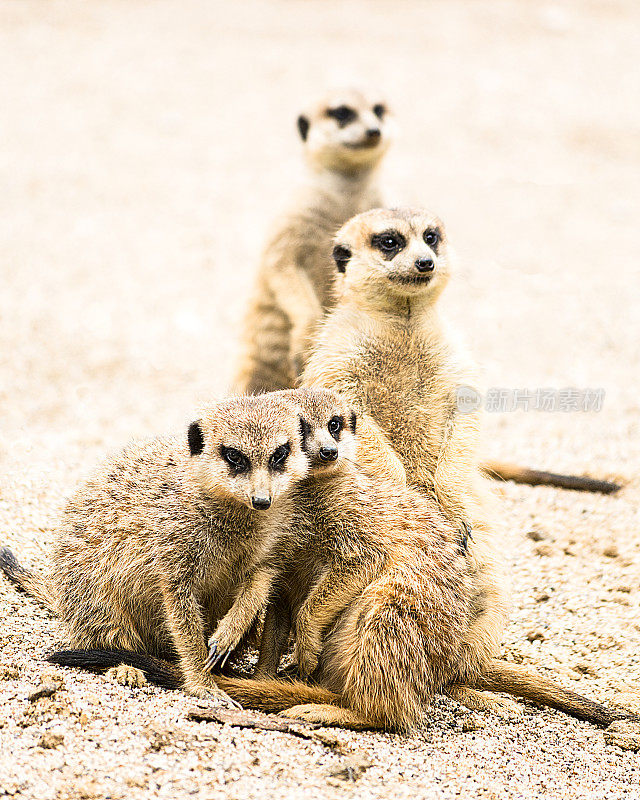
column 144, row 148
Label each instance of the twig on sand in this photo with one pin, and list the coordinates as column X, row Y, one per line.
column 254, row 719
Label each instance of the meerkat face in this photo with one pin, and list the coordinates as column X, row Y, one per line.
column 398, row 252
column 248, row 449
column 347, row 132
column 328, row 429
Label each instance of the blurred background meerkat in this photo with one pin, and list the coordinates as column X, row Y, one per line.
column 344, row 136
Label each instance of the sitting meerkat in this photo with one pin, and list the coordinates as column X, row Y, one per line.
column 345, row 136
column 377, row 588
column 151, row 547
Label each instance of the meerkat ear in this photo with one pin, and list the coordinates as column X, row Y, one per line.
column 303, row 127
column 352, row 421
column 195, row 438
column 341, row 256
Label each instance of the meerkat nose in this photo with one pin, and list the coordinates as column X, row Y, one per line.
column 424, row 264
column 328, row 453
column 260, row 503
column 373, row 134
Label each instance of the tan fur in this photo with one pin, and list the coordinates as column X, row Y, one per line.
column 154, row 545
column 377, row 585
column 530, row 685
column 294, row 283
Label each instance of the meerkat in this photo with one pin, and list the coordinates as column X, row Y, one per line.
column 376, row 586
column 379, row 621
column 385, row 348
column 152, row 546
column 345, row 136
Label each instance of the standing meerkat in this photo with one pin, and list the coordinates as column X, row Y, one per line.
column 345, row 136
column 385, row 348
column 152, row 546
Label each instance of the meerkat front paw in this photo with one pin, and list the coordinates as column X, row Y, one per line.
column 212, row 692
column 126, row 675
column 222, row 643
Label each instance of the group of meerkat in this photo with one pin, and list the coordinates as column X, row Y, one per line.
column 350, row 511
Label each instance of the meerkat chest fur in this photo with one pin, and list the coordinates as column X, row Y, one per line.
column 333, row 530
column 400, row 370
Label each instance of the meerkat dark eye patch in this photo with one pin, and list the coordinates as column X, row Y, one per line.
column 235, row 459
column 303, row 127
column 432, row 238
column 389, row 243
column 279, row 457
column 195, row 437
column 343, row 115
column 341, row 256
column 379, row 110
column 305, row 432
column 352, row 421
column 335, row 426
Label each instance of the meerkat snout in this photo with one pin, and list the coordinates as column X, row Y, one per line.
column 260, row 503
column 328, row 453
column 424, row 264
column 373, row 135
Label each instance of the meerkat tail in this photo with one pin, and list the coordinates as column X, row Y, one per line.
column 273, row 695
column 156, row 670
column 499, row 470
column 33, row 584
column 270, row 695
column 516, row 680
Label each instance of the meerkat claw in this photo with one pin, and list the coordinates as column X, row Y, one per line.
column 221, row 698
column 214, row 657
column 217, row 659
